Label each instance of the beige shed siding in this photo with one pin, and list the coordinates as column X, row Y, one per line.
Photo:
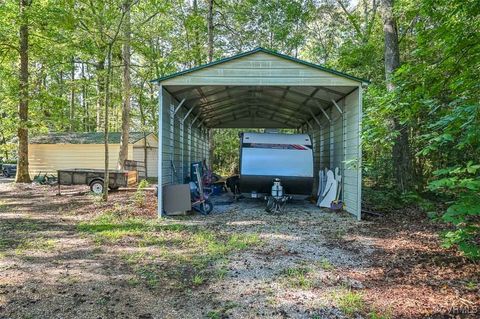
column 260, row 69
column 152, row 158
column 151, row 141
column 48, row 158
column 152, row 154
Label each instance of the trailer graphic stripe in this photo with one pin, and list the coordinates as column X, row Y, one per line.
column 277, row 146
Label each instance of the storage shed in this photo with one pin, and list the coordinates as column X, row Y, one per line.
column 54, row 151
column 263, row 89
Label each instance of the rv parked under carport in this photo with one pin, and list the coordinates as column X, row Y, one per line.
column 262, row 89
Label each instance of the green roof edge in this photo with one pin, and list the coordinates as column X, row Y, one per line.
column 260, row 49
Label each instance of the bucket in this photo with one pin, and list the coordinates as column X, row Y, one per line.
column 217, row 189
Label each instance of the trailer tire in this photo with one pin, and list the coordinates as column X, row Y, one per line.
column 96, row 186
column 208, row 206
column 113, row 188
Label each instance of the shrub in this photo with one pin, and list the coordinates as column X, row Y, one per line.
column 462, row 184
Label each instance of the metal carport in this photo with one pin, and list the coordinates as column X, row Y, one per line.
column 262, row 89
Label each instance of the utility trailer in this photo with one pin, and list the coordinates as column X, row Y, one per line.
column 94, row 178
column 8, row 170
column 265, row 157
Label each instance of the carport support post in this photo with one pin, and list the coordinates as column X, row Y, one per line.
column 359, row 167
column 160, row 151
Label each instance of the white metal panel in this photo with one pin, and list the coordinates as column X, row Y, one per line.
column 273, row 138
column 277, row 162
column 352, row 173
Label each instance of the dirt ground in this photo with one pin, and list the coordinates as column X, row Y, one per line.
column 73, row 256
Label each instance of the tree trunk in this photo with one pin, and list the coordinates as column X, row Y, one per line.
column 123, row 153
column 72, row 98
column 211, row 132
column 197, row 50
column 210, row 30
column 400, row 149
column 22, row 133
column 100, row 68
column 144, row 125
column 86, row 120
column 107, row 104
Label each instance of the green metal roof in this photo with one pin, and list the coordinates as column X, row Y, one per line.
column 85, row 138
column 277, row 54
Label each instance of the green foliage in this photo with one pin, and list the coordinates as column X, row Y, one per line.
column 462, row 184
column 227, row 147
column 298, row 277
column 350, row 302
column 140, row 197
column 325, row 264
column 198, row 280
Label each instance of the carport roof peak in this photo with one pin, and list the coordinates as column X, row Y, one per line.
column 267, row 51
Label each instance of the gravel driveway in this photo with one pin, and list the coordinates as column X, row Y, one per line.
column 73, row 256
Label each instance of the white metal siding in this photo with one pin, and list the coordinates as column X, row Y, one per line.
column 176, row 157
column 336, row 144
column 352, row 173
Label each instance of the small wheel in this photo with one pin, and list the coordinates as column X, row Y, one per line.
column 113, row 188
column 96, row 187
column 270, row 205
column 207, row 206
column 6, row 174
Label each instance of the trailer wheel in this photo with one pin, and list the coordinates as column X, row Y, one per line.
column 96, row 187
column 113, row 188
column 208, row 206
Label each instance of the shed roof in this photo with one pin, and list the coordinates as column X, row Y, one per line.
column 85, row 138
column 271, row 52
column 258, row 89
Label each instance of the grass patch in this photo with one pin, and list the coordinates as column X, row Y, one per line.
column 110, row 228
column 350, row 302
column 216, row 245
column 3, row 206
column 221, row 272
column 178, row 256
column 6, row 243
column 139, row 197
column 377, row 315
column 148, row 274
column 325, row 264
column 35, row 244
column 298, row 277
column 198, row 279
column 222, row 311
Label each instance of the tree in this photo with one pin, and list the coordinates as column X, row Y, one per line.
column 23, row 175
column 400, row 149
column 211, row 132
column 123, row 153
column 210, row 30
column 103, row 22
